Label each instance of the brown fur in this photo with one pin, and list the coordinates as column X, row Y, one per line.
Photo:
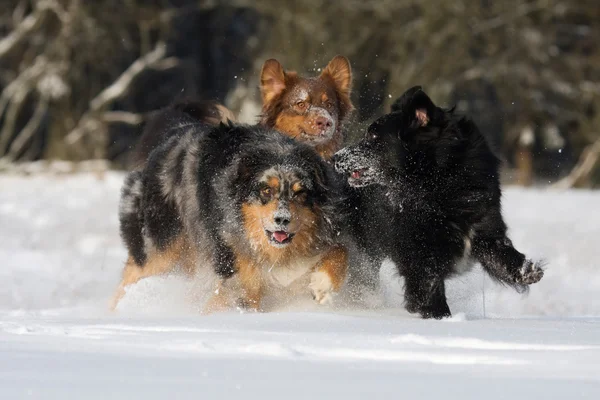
column 335, row 264
column 292, row 115
column 251, row 283
column 249, row 291
column 303, row 224
column 179, row 253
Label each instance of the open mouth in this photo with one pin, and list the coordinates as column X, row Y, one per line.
column 358, row 177
column 358, row 173
column 279, row 238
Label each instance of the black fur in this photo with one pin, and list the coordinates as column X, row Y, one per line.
column 196, row 181
column 131, row 217
column 427, row 195
column 172, row 121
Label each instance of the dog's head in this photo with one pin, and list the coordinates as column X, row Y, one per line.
column 283, row 201
column 388, row 146
column 309, row 109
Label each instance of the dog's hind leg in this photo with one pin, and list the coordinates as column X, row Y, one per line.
column 157, row 263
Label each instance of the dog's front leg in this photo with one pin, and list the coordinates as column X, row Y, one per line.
column 329, row 275
column 251, row 284
column 243, row 290
column 426, row 295
column 502, row 261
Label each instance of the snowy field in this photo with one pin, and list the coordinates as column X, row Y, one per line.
column 61, row 258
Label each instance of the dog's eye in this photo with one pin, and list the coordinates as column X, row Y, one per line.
column 266, row 192
column 301, row 105
column 372, row 136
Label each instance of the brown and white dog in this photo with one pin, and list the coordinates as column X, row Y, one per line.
column 308, row 109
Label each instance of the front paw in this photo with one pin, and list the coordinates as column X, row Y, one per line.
column 321, row 287
column 529, row 273
column 245, row 305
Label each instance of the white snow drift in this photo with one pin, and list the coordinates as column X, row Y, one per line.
column 61, row 257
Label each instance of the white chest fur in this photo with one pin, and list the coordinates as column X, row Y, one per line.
column 289, row 274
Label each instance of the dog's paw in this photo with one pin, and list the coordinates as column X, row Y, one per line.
column 244, row 305
column 321, row 287
column 529, row 273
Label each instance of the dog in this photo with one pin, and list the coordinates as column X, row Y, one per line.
column 258, row 206
column 311, row 110
column 427, row 195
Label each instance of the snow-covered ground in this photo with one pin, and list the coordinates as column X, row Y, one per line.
column 61, row 257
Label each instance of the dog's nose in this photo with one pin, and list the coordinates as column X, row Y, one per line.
column 280, row 220
column 323, row 123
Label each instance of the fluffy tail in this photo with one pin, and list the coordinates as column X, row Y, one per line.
column 131, row 217
column 173, row 120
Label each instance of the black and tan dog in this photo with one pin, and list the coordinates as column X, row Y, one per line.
column 310, row 110
column 257, row 206
column 427, row 195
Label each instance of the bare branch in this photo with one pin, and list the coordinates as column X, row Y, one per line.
column 166, row 64
column 122, row 84
column 19, row 12
column 123, row 117
column 12, row 114
column 29, row 25
column 27, row 78
column 90, row 120
column 580, row 175
column 29, row 130
column 505, row 19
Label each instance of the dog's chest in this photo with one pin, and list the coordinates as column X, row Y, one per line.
column 289, row 274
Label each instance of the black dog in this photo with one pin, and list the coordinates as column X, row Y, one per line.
column 427, row 195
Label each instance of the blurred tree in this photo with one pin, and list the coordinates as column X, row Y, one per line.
column 75, row 76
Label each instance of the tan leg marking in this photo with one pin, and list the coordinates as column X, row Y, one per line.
column 179, row 253
column 219, row 301
column 329, row 274
column 250, row 282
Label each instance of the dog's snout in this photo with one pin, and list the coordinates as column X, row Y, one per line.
column 282, row 216
column 282, row 221
column 323, row 123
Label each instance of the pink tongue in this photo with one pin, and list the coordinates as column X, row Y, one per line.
column 356, row 174
column 280, row 236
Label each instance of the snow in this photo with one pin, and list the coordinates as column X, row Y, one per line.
column 62, row 256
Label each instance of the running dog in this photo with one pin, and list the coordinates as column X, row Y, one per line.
column 257, row 206
column 427, row 195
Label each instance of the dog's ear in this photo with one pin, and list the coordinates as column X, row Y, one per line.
column 272, row 80
column 417, row 105
column 339, row 71
column 404, row 101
